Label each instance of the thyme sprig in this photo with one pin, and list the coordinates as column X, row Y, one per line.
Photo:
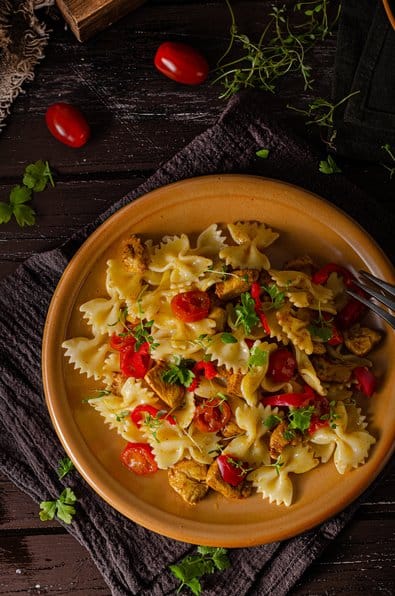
column 280, row 49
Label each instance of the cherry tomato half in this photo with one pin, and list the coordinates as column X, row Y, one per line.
column 232, row 470
column 212, row 415
column 181, row 62
column 119, row 342
column 191, row 306
column 67, row 124
column 139, row 414
column 139, row 458
column 282, row 365
column 135, row 363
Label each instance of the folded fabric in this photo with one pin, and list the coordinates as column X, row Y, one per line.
column 365, row 68
column 134, row 560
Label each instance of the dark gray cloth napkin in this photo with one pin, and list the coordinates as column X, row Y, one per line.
column 132, row 559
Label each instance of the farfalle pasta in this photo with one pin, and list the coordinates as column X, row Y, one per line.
column 229, row 372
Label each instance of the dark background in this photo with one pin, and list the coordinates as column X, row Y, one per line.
column 139, row 120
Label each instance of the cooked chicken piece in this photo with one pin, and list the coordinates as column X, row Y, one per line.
column 117, row 382
column 231, row 429
column 188, row 479
column 219, row 316
column 233, row 383
column 303, row 263
column 217, row 483
column 134, row 255
column 360, row 340
column 331, row 371
column 171, row 394
column 233, row 287
column 318, row 347
column 279, row 440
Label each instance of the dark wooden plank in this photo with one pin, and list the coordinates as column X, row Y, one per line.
column 138, row 117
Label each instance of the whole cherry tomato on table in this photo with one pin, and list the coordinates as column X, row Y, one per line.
column 67, row 124
column 191, row 306
column 181, row 62
column 139, row 458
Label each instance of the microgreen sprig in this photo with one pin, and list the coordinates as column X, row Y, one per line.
column 62, row 507
column 193, row 567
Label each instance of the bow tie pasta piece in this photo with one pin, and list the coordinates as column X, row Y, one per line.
column 117, row 416
column 210, row 242
column 273, row 481
column 234, row 356
column 295, row 329
column 302, row 292
column 121, row 283
column 251, row 239
column 174, row 254
column 253, row 379
column 307, row 372
column 250, row 446
column 103, row 315
column 87, row 355
column 352, row 447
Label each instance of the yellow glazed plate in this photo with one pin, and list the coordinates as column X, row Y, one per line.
column 307, row 225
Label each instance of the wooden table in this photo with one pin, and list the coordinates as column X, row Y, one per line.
column 139, row 119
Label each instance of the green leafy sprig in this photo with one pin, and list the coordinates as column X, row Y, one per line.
column 65, row 466
column 246, row 315
column 179, row 372
column 329, row 166
column 193, row 567
column 62, row 507
column 280, row 49
column 257, row 357
column 36, row 177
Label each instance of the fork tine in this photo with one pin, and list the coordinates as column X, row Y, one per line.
column 374, row 307
column 378, row 295
column 378, row 282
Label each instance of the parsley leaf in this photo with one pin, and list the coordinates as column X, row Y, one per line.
column 246, row 314
column 277, row 296
column 329, row 166
column 300, row 418
column 24, row 215
column 193, row 567
column 228, row 338
column 63, row 507
column 37, row 175
column 322, row 332
column 179, row 372
column 263, row 153
column 257, row 357
column 65, row 466
column 20, row 194
column 272, row 421
column 5, row 212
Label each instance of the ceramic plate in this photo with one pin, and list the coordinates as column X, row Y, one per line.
column 307, row 225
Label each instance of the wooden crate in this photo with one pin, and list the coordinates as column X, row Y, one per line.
column 87, row 17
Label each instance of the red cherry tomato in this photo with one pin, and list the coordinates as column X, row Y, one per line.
column 191, row 306
column 67, row 124
column 139, row 458
column 232, row 470
column 181, row 62
column 212, row 415
column 135, row 364
column 282, row 365
column 119, row 342
column 366, row 381
column 139, row 414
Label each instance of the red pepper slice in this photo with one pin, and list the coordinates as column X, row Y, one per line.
column 293, row 400
column 139, row 413
column 208, row 369
column 282, row 365
column 139, row 458
column 212, row 415
column 321, row 276
column 232, row 470
column 191, row 306
column 255, row 294
column 366, row 381
column 135, row 363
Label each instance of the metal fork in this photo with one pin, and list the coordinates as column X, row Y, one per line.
column 385, row 295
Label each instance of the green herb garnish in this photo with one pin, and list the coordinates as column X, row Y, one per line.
column 388, row 149
column 193, row 567
column 257, row 357
column 272, row 421
column 65, row 466
column 277, row 465
column 38, row 175
column 179, row 372
column 246, row 314
column 300, row 418
column 262, row 153
column 228, row 338
column 63, row 507
column 99, row 393
column 277, row 296
column 329, row 166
